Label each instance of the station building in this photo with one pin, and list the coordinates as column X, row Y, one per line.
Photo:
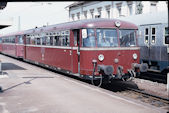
column 114, row 9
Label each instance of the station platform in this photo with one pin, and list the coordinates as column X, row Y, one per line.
column 31, row 89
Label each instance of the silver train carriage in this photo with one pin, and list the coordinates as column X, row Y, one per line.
column 154, row 46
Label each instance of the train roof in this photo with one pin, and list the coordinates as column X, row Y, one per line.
column 89, row 23
column 93, row 23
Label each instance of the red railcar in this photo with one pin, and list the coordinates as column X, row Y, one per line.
column 93, row 49
column 12, row 44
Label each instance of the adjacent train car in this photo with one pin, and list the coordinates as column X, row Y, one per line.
column 12, row 44
column 103, row 49
column 154, row 48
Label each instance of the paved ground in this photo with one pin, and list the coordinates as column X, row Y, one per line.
column 30, row 89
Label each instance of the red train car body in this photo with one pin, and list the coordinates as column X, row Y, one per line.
column 12, row 44
column 91, row 49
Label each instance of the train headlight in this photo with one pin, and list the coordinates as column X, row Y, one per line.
column 101, row 57
column 134, row 56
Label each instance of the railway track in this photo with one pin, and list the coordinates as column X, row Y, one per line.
column 154, row 76
column 135, row 93
column 149, row 98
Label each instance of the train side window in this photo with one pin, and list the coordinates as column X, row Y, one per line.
column 27, row 40
column 146, row 35
column 56, row 41
column 38, row 41
column 48, row 40
column 166, row 35
column 43, row 40
column 51, row 40
column 0, row 40
column 32, row 40
column 153, row 35
column 13, row 40
column 75, row 38
column 20, row 39
column 65, row 40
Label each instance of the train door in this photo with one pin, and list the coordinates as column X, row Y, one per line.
column 76, row 51
column 152, row 43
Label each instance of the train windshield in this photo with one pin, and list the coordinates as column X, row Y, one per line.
column 88, row 38
column 106, row 38
column 127, row 38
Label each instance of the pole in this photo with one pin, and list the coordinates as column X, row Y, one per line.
column 19, row 23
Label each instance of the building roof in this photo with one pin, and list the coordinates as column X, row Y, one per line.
column 149, row 18
column 75, row 4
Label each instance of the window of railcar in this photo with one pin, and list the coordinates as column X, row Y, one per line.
column 44, row 40
column 65, row 40
column 89, row 40
column 166, row 35
column 47, row 40
column 10, row 40
column 51, row 40
column 38, row 41
column 13, row 40
column 32, row 41
column 146, row 36
column 106, row 38
column 5, row 40
column 127, row 38
column 28, row 40
column 75, row 38
column 153, row 35
column 56, row 41
column 20, row 39
column 0, row 40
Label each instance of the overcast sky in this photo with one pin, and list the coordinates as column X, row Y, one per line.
column 34, row 14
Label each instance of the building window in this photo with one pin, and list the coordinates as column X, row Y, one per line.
column 78, row 15
column 85, row 14
column 92, row 13
column 146, row 36
column 108, row 11
column 130, row 11
column 99, row 12
column 139, row 8
column 73, row 17
column 153, row 35
column 153, row 7
column 118, row 5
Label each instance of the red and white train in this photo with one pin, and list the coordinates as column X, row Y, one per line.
column 95, row 49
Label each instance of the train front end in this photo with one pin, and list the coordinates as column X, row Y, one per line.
column 111, row 53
